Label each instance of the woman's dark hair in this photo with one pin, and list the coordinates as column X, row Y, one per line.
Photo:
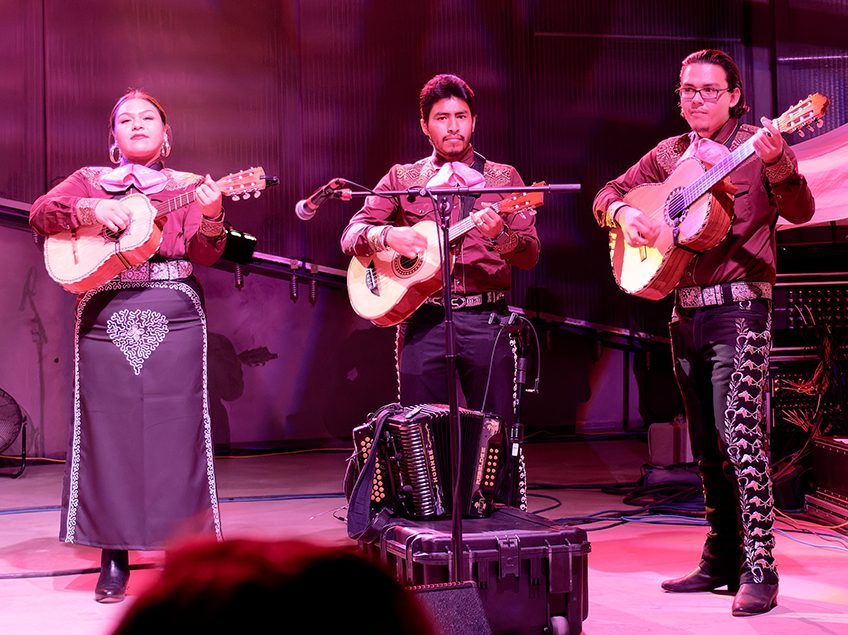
column 734, row 78
column 444, row 87
column 135, row 93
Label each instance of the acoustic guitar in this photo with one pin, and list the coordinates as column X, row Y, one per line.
column 386, row 288
column 695, row 215
column 84, row 258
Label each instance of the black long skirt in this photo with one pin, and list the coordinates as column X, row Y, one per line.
column 140, row 470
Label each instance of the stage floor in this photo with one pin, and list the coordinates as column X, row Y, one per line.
column 47, row 587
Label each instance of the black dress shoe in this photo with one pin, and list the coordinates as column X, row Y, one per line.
column 114, row 575
column 700, row 580
column 754, row 598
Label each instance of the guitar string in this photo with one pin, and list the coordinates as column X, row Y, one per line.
column 709, row 179
column 697, row 188
column 164, row 207
column 463, row 226
column 703, row 183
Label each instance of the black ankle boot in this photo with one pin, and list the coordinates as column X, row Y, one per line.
column 754, row 598
column 114, row 575
column 700, row 580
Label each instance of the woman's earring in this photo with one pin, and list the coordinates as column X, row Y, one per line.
column 166, row 147
column 115, row 154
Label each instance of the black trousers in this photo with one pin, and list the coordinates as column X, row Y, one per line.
column 423, row 368
column 485, row 369
column 721, row 357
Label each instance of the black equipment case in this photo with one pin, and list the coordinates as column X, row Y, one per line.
column 532, row 574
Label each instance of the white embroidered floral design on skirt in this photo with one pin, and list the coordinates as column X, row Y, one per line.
column 137, row 334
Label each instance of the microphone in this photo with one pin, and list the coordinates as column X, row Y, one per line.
column 306, row 208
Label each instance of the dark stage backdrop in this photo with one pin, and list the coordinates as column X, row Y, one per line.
column 568, row 91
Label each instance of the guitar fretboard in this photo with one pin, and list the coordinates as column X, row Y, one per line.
column 466, row 225
column 711, row 177
column 173, row 204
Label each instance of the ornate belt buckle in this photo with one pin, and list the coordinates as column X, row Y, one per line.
column 457, row 302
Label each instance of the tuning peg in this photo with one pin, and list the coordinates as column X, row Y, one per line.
column 800, row 132
column 235, row 197
column 256, row 194
column 819, row 123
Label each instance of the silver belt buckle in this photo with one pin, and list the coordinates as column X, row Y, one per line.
column 458, row 302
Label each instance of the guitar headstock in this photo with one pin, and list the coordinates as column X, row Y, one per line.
column 521, row 202
column 805, row 113
column 242, row 184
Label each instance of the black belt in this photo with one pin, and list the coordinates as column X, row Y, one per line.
column 469, row 301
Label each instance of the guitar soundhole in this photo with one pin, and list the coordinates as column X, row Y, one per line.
column 675, row 207
column 114, row 236
column 404, row 267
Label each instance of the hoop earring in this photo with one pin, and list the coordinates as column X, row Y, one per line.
column 165, row 151
column 115, row 154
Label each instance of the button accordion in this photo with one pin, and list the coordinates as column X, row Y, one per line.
column 412, row 474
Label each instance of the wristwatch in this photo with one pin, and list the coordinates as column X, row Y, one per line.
column 506, row 241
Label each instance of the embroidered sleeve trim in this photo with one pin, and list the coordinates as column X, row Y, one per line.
column 376, row 237
column 212, row 228
column 781, row 170
column 609, row 215
column 85, row 211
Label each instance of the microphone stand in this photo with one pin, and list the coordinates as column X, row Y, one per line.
column 515, row 328
column 442, row 198
column 443, row 205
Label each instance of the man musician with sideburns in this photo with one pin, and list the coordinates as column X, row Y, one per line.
column 721, row 323
column 484, row 257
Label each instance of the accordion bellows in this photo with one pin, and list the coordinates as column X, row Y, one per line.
column 413, row 466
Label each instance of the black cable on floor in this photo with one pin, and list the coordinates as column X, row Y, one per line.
column 64, row 572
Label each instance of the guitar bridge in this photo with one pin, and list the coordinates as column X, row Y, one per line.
column 371, row 279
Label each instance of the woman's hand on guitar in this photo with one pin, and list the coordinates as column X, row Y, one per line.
column 112, row 214
column 209, row 198
column 768, row 142
column 406, row 241
column 640, row 230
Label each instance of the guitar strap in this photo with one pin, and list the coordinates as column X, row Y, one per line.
column 467, row 202
column 729, row 141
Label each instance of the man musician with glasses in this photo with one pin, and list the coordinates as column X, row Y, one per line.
column 721, row 322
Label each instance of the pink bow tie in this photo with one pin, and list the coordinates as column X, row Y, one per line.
column 146, row 180
column 706, row 150
column 456, row 174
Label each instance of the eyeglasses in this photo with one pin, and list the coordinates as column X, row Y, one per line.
column 687, row 93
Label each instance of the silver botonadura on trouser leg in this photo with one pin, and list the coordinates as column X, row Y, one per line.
column 744, row 433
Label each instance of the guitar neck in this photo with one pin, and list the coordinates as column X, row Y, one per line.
column 457, row 231
column 173, row 204
column 715, row 174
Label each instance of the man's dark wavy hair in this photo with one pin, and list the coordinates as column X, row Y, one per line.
column 444, row 87
column 734, row 77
